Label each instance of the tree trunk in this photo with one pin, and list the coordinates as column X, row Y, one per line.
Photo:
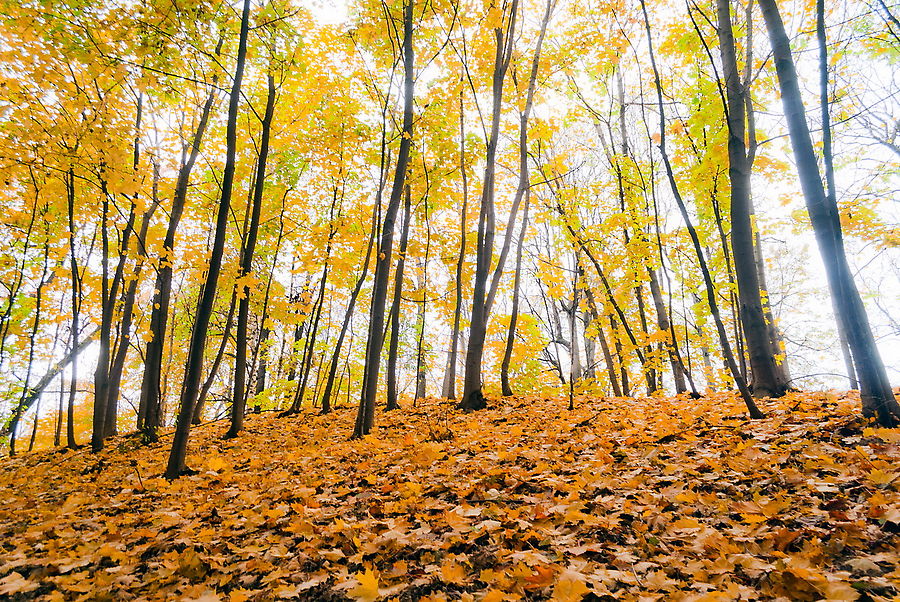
column 449, row 388
column 76, row 309
column 192, row 373
column 354, row 295
column 762, row 357
column 149, row 415
column 707, row 278
column 32, row 341
column 238, row 399
column 217, row 361
column 394, row 344
column 505, row 387
column 604, row 346
column 472, row 398
column 365, row 418
column 875, row 390
column 117, row 366
column 101, row 372
column 662, row 322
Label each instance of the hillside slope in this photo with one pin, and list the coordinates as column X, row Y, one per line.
column 627, row 499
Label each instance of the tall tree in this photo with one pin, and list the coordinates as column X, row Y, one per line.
column 504, row 36
column 763, row 368
column 394, row 345
column 192, row 371
column 149, row 417
column 875, row 390
column 365, row 418
column 239, row 399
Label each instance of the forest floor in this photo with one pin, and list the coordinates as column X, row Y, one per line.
column 620, row 499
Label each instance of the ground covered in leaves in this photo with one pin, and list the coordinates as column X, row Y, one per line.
column 631, row 499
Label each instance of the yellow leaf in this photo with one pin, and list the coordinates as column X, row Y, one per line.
column 217, row 463
column 14, row 583
column 367, row 590
column 754, row 518
column 883, row 478
column 494, row 595
column 569, row 587
column 685, row 523
column 453, row 572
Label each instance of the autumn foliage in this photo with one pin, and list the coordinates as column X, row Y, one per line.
column 650, row 499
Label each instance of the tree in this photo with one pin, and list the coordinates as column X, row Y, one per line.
column 365, row 418
column 765, row 381
column 191, row 387
column 504, row 36
column 875, row 390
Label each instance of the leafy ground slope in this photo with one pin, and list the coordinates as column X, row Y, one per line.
column 631, row 499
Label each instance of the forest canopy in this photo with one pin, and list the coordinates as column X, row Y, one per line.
column 211, row 209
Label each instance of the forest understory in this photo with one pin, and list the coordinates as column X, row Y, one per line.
column 616, row 499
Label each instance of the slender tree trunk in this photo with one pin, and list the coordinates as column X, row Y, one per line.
column 309, row 349
column 601, row 338
column 34, row 426
column 262, row 348
column 354, row 295
column 32, row 341
column 574, row 361
column 522, row 185
column 238, row 399
column 216, row 363
column 875, row 390
column 57, row 433
column 472, row 398
column 662, row 322
column 762, row 357
column 117, row 366
column 421, row 384
column 365, row 418
column 828, row 164
column 420, row 352
column 76, row 309
column 394, row 344
column 149, row 408
column 192, row 372
column 505, row 387
column 620, row 356
column 449, row 388
column 707, row 278
column 101, row 372
column 649, row 370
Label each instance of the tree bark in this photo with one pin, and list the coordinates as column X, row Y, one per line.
column 101, row 372
column 32, row 341
column 394, row 344
column 765, row 381
column 176, row 465
column 875, row 390
column 76, row 310
column 239, row 399
column 365, row 418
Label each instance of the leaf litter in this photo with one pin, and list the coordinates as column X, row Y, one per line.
column 620, row 499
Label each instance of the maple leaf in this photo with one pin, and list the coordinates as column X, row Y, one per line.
column 367, row 588
column 15, row 583
column 882, row 478
column 569, row 587
column 453, row 572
